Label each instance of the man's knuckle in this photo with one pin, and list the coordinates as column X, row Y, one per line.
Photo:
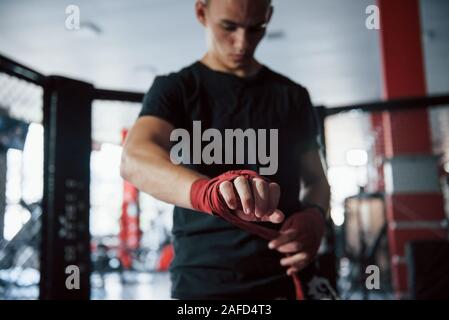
column 274, row 186
column 257, row 180
column 240, row 180
column 225, row 185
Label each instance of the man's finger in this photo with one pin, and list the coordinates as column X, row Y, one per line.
column 261, row 197
column 290, row 247
column 274, row 194
column 244, row 191
column 275, row 217
column 227, row 191
column 287, row 236
column 295, row 260
column 246, row 217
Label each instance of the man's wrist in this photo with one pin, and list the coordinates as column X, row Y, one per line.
column 197, row 190
column 307, row 205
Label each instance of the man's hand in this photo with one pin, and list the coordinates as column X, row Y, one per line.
column 300, row 238
column 245, row 193
column 253, row 199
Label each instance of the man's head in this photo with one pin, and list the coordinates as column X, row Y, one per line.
column 234, row 29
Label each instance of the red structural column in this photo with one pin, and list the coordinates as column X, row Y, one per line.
column 414, row 202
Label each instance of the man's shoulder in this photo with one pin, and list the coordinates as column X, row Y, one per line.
column 284, row 81
column 178, row 76
column 176, row 82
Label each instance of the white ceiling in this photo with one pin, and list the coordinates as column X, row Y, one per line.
column 326, row 46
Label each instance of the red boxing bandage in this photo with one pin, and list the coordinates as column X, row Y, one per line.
column 205, row 194
column 205, row 197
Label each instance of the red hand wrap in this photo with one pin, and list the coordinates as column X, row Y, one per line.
column 205, row 194
column 205, row 197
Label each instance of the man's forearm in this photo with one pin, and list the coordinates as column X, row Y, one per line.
column 150, row 169
column 317, row 193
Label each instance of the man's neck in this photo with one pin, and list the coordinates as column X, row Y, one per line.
column 251, row 69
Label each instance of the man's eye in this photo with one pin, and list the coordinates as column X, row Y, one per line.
column 229, row 27
column 259, row 28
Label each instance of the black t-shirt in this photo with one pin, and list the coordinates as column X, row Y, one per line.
column 214, row 259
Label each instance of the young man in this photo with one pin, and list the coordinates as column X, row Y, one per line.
column 229, row 89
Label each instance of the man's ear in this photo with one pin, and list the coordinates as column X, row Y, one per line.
column 200, row 11
column 270, row 13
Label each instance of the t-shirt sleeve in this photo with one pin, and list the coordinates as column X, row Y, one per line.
column 164, row 100
column 308, row 123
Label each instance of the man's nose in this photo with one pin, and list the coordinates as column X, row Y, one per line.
column 241, row 42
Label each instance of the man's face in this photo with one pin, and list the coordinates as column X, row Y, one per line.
column 234, row 29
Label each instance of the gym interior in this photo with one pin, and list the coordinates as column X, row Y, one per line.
column 73, row 75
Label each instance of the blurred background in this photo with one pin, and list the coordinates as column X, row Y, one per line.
column 383, row 180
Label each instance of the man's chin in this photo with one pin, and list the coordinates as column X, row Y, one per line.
column 240, row 64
